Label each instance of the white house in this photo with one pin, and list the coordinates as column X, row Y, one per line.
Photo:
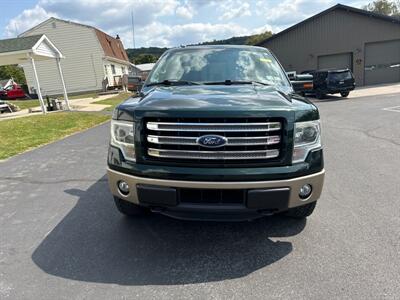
column 91, row 56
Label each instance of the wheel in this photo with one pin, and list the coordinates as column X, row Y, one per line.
column 130, row 209
column 301, row 212
column 319, row 95
column 344, row 94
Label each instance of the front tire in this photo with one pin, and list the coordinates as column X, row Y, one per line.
column 301, row 212
column 130, row 209
column 344, row 94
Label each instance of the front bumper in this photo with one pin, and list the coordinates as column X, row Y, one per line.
column 338, row 89
column 260, row 197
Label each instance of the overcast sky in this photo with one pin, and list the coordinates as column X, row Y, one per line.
column 166, row 22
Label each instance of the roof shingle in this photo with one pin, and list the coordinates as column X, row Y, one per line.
column 112, row 47
column 19, row 44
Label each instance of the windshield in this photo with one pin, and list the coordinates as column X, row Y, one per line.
column 337, row 76
column 219, row 65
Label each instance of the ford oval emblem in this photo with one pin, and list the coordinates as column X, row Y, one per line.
column 212, row 141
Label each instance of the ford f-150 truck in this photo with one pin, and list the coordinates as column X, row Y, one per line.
column 217, row 133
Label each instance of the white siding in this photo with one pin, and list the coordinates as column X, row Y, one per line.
column 120, row 69
column 45, row 49
column 83, row 64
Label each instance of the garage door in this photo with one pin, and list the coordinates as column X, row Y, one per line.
column 335, row 61
column 382, row 62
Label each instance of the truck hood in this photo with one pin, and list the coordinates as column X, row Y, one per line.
column 222, row 99
column 237, row 97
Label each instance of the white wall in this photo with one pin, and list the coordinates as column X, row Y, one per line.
column 83, row 66
column 45, row 49
column 120, row 69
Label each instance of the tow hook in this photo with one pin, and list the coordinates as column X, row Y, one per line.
column 157, row 209
column 267, row 212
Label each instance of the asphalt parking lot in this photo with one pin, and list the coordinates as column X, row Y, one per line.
column 62, row 238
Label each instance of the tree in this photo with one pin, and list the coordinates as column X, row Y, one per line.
column 13, row 71
column 144, row 59
column 257, row 38
column 385, row 7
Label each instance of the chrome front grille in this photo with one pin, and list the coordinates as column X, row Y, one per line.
column 247, row 140
column 212, row 127
column 231, row 141
column 184, row 154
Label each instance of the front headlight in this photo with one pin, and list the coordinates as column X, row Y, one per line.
column 122, row 136
column 307, row 137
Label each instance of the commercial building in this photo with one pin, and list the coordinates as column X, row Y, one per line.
column 342, row 37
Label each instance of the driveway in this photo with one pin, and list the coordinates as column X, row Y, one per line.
column 62, row 238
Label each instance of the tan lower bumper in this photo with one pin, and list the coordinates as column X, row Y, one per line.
column 316, row 180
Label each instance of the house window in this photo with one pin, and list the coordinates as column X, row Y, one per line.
column 105, row 70
column 123, row 70
column 113, row 69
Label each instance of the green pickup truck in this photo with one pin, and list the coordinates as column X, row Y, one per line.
column 216, row 134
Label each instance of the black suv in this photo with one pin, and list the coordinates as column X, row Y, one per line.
column 217, row 133
column 332, row 82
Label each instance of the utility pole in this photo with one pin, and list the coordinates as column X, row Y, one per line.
column 133, row 31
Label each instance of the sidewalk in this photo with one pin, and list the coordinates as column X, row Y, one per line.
column 84, row 104
column 375, row 90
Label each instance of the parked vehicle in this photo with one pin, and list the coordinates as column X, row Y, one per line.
column 5, row 107
column 135, row 83
column 12, row 92
column 302, row 83
column 332, row 82
column 216, row 134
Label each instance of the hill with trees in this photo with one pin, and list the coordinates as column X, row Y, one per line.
column 151, row 54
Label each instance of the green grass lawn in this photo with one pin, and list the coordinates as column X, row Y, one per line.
column 21, row 134
column 80, row 96
column 114, row 101
column 25, row 104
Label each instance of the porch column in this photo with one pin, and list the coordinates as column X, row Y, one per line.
column 63, row 83
column 39, row 92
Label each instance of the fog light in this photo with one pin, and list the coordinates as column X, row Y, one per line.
column 305, row 191
column 123, row 187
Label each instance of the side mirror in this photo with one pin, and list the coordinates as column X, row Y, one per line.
column 291, row 75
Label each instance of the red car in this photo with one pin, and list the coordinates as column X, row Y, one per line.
column 12, row 92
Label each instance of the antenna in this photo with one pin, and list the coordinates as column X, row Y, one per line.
column 133, row 31
column 16, row 29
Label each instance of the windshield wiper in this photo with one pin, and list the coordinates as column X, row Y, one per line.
column 173, row 82
column 230, row 82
